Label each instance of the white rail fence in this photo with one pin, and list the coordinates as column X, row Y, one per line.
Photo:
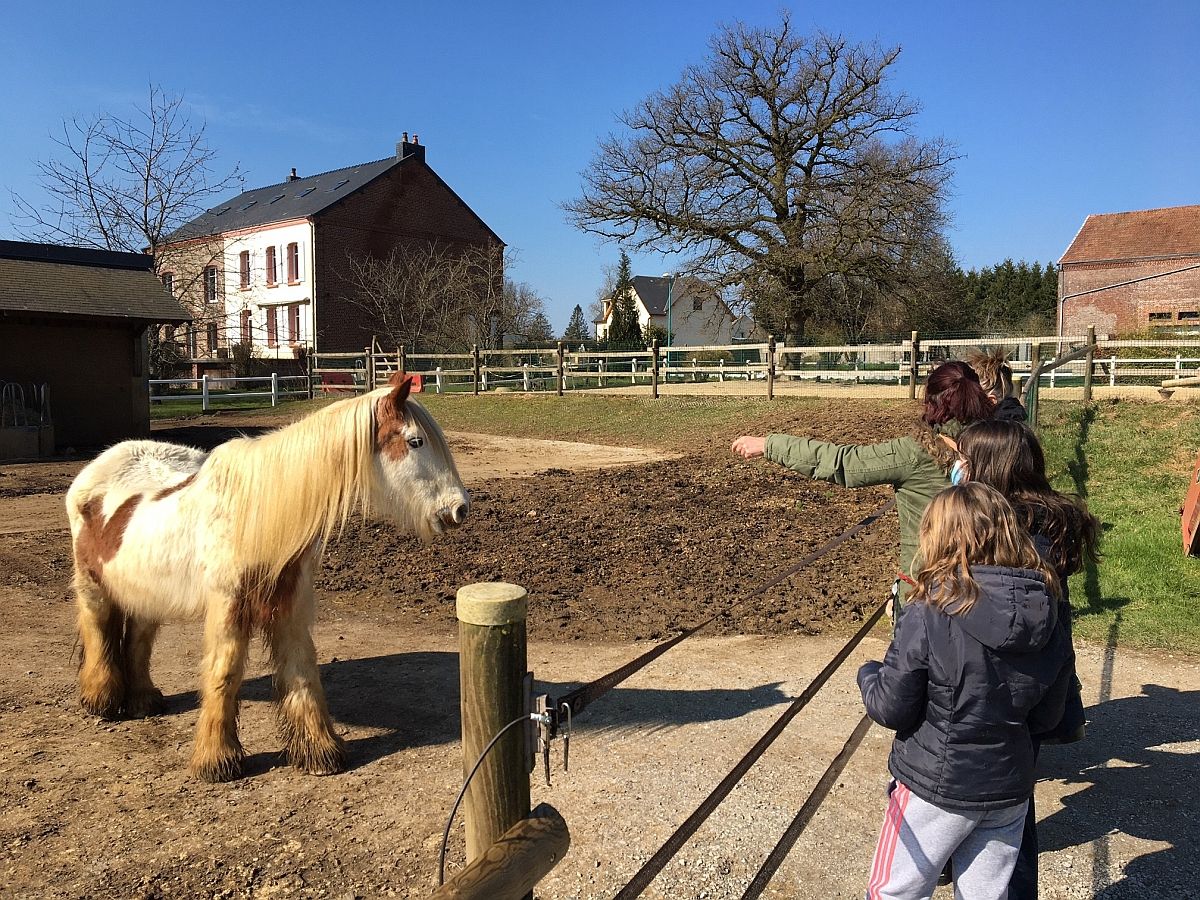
column 275, row 388
column 1112, row 363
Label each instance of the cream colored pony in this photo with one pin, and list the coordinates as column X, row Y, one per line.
column 163, row 532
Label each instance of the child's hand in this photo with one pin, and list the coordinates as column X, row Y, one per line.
column 750, row 447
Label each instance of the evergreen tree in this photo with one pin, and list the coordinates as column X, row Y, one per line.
column 539, row 330
column 577, row 327
column 624, row 330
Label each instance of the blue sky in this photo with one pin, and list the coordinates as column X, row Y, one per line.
column 1059, row 109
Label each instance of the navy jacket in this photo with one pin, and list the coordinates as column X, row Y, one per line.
column 963, row 692
column 1009, row 410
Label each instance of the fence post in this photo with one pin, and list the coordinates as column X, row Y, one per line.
column 1112, row 372
column 600, row 378
column 654, row 368
column 274, row 388
column 438, row 377
column 721, row 374
column 561, row 377
column 695, row 374
column 1031, row 395
column 311, row 363
column 525, row 376
column 475, row 369
column 771, row 367
column 914, row 366
column 483, row 373
column 492, row 666
column 204, row 393
column 1091, row 358
column 633, row 372
column 402, row 359
column 370, row 355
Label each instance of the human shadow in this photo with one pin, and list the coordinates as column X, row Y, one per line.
column 412, row 700
column 1135, row 780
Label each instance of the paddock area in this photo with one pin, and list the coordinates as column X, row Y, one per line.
column 618, row 546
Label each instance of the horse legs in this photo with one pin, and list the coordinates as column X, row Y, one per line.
column 312, row 744
column 218, row 754
column 142, row 698
column 101, row 629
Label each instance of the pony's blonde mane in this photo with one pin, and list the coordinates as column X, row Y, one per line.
column 992, row 367
column 291, row 488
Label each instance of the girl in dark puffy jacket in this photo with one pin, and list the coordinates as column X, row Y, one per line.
column 1008, row 457
column 979, row 663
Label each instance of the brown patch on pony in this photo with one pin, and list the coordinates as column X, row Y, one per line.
column 99, row 540
column 168, row 491
column 260, row 602
column 390, row 416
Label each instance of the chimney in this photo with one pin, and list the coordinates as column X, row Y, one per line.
column 293, row 176
column 406, row 148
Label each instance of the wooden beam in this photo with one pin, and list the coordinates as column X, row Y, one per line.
column 515, row 863
column 1190, row 381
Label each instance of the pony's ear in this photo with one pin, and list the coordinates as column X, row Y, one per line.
column 401, row 385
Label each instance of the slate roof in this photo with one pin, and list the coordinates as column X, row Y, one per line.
column 1149, row 233
column 47, row 279
column 285, row 201
column 653, row 292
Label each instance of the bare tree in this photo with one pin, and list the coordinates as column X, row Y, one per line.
column 443, row 297
column 782, row 162
column 126, row 183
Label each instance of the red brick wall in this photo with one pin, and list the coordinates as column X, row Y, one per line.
column 409, row 203
column 1127, row 309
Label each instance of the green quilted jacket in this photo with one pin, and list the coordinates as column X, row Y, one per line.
column 902, row 463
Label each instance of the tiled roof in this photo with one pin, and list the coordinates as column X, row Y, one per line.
column 1147, row 233
column 281, row 202
column 74, row 281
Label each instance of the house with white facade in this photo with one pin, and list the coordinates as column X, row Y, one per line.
column 269, row 269
column 697, row 315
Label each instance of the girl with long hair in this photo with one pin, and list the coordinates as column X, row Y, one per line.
column 918, row 465
column 1007, row 456
column 978, row 663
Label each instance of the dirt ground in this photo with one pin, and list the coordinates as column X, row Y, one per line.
column 612, row 557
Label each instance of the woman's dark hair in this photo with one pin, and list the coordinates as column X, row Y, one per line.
column 953, row 393
column 1008, row 456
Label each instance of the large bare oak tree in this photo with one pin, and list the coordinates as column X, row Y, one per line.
column 782, row 163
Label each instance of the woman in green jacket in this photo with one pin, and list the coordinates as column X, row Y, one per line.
column 917, row 465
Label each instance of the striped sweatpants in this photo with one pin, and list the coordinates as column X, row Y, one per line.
column 918, row 838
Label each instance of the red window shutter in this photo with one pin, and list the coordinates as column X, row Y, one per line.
column 293, row 263
column 246, row 335
column 294, row 323
column 272, row 270
column 245, row 257
column 272, row 326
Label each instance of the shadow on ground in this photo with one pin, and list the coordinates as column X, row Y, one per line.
column 412, row 698
column 1138, row 781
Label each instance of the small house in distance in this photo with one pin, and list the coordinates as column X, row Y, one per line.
column 1131, row 272
column 697, row 317
column 73, row 352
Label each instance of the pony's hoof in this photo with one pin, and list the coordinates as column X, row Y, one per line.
column 318, row 759
column 222, row 768
column 144, row 704
column 106, row 704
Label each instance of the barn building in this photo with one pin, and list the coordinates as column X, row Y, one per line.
column 1133, row 272
column 73, row 353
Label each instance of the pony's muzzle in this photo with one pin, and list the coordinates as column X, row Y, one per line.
column 453, row 516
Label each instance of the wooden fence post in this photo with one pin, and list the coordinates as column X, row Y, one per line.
column 770, row 367
column 370, row 367
column 402, row 359
column 914, row 366
column 492, row 666
column 1031, row 393
column 1091, row 359
column 475, row 369
column 310, row 364
column 654, row 368
column 561, row 374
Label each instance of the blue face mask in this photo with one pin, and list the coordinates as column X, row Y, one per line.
column 958, row 473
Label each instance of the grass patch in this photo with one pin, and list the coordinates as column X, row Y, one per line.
column 1131, row 462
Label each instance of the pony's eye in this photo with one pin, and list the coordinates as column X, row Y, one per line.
column 416, row 442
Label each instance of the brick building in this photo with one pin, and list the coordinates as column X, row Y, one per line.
column 269, row 268
column 1132, row 272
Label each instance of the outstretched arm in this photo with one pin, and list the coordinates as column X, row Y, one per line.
column 850, row 465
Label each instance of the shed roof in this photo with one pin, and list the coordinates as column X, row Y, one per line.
column 77, row 281
column 1143, row 234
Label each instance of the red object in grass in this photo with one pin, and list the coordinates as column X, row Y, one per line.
column 1191, row 515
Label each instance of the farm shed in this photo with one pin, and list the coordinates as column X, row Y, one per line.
column 74, row 320
column 1132, row 272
